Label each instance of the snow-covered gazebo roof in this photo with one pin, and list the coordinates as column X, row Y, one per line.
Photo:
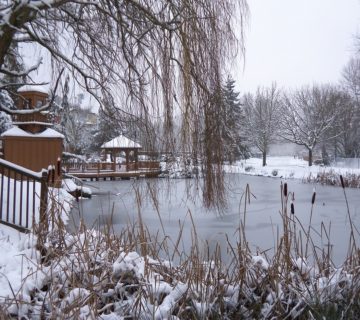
column 17, row 132
column 33, row 88
column 121, row 142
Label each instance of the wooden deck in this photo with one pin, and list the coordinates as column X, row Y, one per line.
column 111, row 171
column 113, row 175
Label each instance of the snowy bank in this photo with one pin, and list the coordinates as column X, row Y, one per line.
column 286, row 168
column 78, row 191
column 91, row 275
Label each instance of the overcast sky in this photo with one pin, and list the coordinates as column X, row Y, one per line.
column 297, row 42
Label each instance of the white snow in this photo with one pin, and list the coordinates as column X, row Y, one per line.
column 29, row 87
column 17, row 132
column 30, row 205
column 70, row 186
column 18, row 260
column 121, row 142
column 284, row 167
column 22, row 169
column 20, row 211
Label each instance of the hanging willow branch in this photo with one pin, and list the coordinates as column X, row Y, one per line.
column 161, row 61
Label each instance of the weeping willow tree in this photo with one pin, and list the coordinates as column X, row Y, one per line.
column 157, row 59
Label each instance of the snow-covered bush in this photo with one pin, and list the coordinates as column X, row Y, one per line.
column 332, row 178
column 5, row 119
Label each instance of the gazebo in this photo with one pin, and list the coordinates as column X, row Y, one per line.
column 122, row 144
column 31, row 142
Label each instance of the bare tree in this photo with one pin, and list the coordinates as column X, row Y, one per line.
column 153, row 56
column 351, row 78
column 308, row 114
column 349, row 140
column 345, row 129
column 262, row 118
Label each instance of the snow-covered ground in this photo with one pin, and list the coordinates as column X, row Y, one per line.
column 18, row 260
column 285, row 167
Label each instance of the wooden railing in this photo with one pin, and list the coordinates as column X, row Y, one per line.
column 144, row 165
column 71, row 166
column 109, row 166
column 23, row 196
column 31, row 117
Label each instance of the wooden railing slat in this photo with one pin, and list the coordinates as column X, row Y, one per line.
column 2, row 193
column 13, row 215
column 14, row 199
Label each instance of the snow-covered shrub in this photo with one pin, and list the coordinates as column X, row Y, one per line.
column 5, row 122
column 332, row 178
column 5, row 119
column 249, row 168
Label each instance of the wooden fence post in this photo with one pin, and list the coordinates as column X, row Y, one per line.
column 43, row 224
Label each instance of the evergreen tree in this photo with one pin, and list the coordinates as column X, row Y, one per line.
column 5, row 122
column 107, row 128
column 231, row 127
column 9, row 85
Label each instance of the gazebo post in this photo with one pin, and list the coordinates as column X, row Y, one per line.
column 113, row 158
column 136, row 159
column 116, row 155
column 127, row 159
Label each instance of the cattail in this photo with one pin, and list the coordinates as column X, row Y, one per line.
column 313, row 198
column 285, row 189
column 342, row 182
column 292, row 208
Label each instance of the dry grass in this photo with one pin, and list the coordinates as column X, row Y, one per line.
column 93, row 274
column 331, row 178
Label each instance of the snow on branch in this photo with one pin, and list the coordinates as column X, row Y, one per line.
column 35, row 110
column 21, row 73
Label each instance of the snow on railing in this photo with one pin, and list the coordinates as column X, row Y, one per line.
column 23, row 196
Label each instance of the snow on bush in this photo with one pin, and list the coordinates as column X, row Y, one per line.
column 70, row 186
column 93, row 275
column 5, row 119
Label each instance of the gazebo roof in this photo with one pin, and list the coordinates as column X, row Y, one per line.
column 32, row 88
column 121, row 142
column 17, row 132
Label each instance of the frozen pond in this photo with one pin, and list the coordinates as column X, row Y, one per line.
column 117, row 201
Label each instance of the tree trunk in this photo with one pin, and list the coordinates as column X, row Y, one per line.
column 310, row 157
column 264, row 158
